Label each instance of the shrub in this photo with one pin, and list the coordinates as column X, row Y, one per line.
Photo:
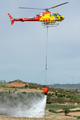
column 66, row 110
column 59, row 95
column 24, row 92
column 78, row 117
column 9, row 91
column 52, row 93
column 56, row 93
column 52, row 111
column 49, row 98
column 26, row 86
column 63, row 95
column 49, row 94
column 15, row 89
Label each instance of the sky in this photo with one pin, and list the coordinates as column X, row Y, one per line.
column 23, row 45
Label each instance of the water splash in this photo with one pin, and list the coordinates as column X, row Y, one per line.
column 31, row 105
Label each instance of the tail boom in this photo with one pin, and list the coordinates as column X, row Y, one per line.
column 22, row 19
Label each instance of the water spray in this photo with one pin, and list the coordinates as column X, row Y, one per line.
column 31, row 105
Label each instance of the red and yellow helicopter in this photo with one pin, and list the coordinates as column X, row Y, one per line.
column 47, row 18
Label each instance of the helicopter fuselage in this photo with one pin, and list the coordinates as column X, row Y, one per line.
column 45, row 17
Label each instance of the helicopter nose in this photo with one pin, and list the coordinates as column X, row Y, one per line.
column 62, row 18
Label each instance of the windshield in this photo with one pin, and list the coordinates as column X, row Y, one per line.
column 55, row 15
column 59, row 14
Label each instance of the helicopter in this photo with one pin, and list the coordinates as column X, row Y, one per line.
column 47, row 18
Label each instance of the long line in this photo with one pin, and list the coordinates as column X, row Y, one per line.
column 46, row 47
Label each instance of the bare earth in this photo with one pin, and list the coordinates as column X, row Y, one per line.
column 18, row 84
column 72, row 114
column 1, row 89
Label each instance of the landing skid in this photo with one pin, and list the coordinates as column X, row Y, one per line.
column 49, row 24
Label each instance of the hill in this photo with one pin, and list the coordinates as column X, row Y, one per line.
column 65, row 86
column 20, row 84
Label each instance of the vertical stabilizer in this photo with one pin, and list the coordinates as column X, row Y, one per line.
column 11, row 19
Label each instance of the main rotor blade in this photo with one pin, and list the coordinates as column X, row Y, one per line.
column 57, row 5
column 46, row 9
column 30, row 8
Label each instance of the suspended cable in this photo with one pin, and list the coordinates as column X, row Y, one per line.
column 46, row 48
column 45, row 87
column 45, row 79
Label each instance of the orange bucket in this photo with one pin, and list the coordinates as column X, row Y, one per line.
column 45, row 89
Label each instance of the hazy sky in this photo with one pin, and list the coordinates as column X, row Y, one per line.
column 23, row 45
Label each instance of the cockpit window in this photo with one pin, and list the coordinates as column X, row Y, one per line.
column 50, row 15
column 59, row 14
column 54, row 15
column 41, row 14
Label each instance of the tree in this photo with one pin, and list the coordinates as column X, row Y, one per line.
column 66, row 110
column 56, row 93
column 26, row 86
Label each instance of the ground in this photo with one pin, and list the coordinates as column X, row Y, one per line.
column 18, row 84
column 48, row 115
